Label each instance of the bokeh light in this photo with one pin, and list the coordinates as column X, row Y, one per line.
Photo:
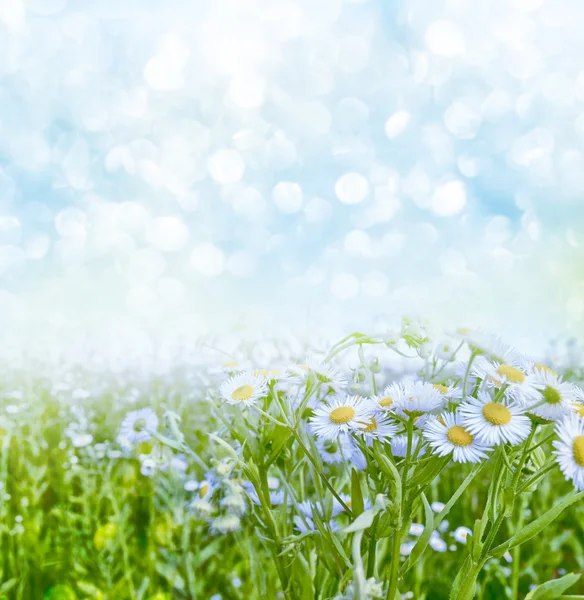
column 319, row 165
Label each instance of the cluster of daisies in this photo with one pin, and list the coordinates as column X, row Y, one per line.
column 495, row 397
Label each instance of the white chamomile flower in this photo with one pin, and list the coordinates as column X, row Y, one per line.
column 337, row 450
column 325, row 374
column 338, row 508
column 377, row 427
column 138, row 426
column 399, row 445
column 569, row 449
column 495, row 423
column 231, row 366
column 309, row 510
column 513, row 375
column 437, row 543
column 226, row 524
column 461, row 534
column 578, row 405
column 445, row 350
column 447, row 435
column 418, row 399
column 552, row 398
column 268, row 374
column 489, row 344
column 340, row 415
column 387, row 399
column 243, row 389
column 450, row 392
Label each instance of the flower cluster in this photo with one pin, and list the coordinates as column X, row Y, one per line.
column 497, row 396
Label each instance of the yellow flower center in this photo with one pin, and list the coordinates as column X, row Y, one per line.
column 385, row 402
column 511, row 373
column 441, row 388
column 203, row 490
column 551, row 395
column 139, row 425
column 578, row 450
column 463, row 330
column 459, row 436
column 545, row 369
column 266, row 372
column 579, row 409
column 370, row 425
column 342, row 414
column 497, row 414
column 242, row 393
column 230, row 364
column 414, row 413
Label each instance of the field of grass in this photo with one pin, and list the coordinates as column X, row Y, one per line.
column 209, row 492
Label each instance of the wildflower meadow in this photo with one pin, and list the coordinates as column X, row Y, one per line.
column 291, row 299
column 389, row 466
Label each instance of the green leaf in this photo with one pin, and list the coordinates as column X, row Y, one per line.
column 423, row 540
column 8, row 585
column 554, row 588
column 456, row 585
column 430, row 471
column 365, row 520
column 357, row 504
column 538, row 525
column 279, row 436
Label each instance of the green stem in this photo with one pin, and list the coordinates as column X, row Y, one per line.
column 319, row 471
column 370, row 375
column 394, row 575
column 276, row 546
column 467, row 373
column 517, row 552
column 526, row 450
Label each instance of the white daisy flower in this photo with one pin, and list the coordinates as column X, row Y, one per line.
column 399, row 445
column 406, row 548
column 450, row 392
column 231, row 366
column 569, row 449
column 445, row 350
column 449, row 436
column 387, row 399
column 494, row 423
column 276, row 498
column 138, row 426
column 461, row 534
column 243, row 389
column 540, row 367
column 338, row 508
column 305, row 524
column 267, row 374
column 418, row 399
column 578, row 405
column 225, row 524
column 340, row 415
column 335, row 451
column 512, row 374
column 489, row 344
column 552, row 398
column 377, row 427
column 437, row 543
column 325, row 374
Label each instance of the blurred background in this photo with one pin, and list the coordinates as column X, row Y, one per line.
column 176, row 168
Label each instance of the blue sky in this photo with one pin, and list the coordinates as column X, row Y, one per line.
column 289, row 161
